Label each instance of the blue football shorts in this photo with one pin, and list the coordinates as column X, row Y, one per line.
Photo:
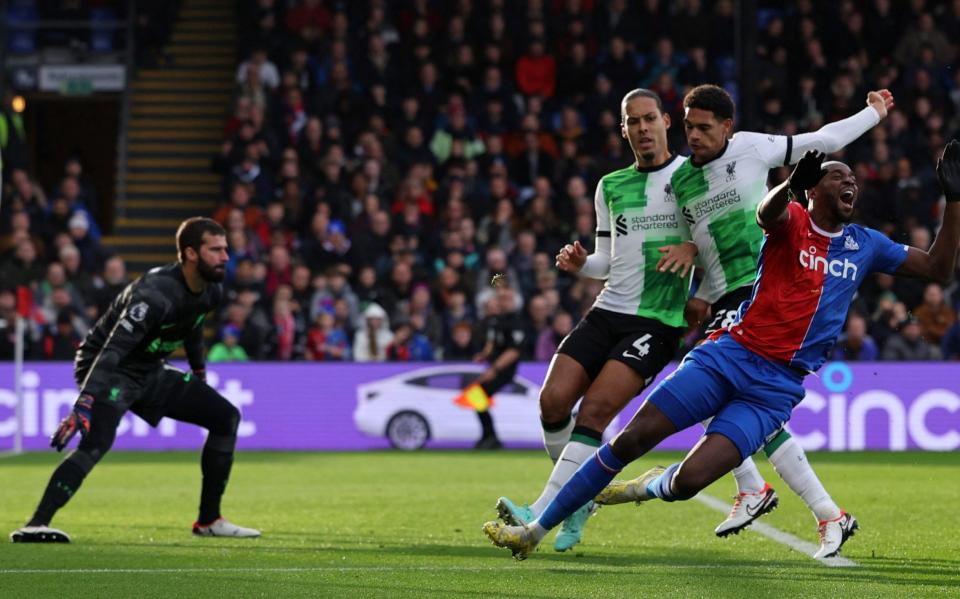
column 749, row 397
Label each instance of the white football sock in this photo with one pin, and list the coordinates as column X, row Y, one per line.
column 791, row 464
column 749, row 479
column 574, row 454
column 555, row 441
column 537, row 531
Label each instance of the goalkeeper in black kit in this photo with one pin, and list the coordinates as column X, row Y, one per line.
column 121, row 366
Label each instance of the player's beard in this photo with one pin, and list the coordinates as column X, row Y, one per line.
column 648, row 156
column 210, row 274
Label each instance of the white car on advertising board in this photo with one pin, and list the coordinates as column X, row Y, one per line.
column 414, row 407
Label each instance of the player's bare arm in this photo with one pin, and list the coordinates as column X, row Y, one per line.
column 938, row 263
column 772, row 210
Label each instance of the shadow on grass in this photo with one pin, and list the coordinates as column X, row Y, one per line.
column 383, row 557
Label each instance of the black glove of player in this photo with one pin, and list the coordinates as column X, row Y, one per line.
column 808, row 171
column 77, row 421
column 948, row 171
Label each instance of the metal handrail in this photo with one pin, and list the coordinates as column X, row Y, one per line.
column 120, row 200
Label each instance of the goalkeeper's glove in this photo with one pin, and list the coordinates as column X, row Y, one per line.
column 948, row 171
column 807, row 173
column 77, row 420
column 200, row 373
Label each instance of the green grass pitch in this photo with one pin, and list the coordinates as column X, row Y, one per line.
column 392, row 525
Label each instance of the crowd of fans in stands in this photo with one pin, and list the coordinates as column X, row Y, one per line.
column 382, row 160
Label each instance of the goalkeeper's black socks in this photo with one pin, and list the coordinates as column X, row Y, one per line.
column 215, row 466
column 63, row 484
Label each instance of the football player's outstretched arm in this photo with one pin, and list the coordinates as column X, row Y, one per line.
column 772, row 210
column 835, row 136
column 938, row 263
column 573, row 257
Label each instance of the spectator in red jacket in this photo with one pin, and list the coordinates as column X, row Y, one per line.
column 537, row 71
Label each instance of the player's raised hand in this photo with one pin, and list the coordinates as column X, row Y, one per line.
column 677, row 258
column 808, row 171
column 881, row 101
column 572, row 257
column 77, row 421
column 948, row 171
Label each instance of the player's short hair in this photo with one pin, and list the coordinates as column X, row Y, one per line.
column 713, row 98
column 826, row 165
column 640, row 92
column 190, row 234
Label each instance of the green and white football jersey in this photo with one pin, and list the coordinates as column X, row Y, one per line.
column 719, row 202
column 637, row 209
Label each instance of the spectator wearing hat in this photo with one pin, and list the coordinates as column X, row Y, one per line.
column 228, row 349
column 371, row 340
column 92, row 253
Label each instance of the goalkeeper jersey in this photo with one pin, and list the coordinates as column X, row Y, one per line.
column 637, row 209
column 152, row 317
column 719, row 202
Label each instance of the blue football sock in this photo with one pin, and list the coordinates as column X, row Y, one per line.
column 592, row 476
column 660, row 486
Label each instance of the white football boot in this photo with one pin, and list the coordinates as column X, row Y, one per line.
column 221, row 527
column 747, row 507
column 834, row 533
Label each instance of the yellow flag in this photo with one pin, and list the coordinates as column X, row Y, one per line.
column 475, row 398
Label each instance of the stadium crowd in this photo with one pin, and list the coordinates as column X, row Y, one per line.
column 382, row 160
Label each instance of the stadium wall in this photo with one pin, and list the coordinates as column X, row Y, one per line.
column 311, row 406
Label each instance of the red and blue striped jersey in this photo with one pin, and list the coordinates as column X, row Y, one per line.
column 806, row 279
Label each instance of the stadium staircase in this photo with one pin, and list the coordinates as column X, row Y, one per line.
column 176, row 126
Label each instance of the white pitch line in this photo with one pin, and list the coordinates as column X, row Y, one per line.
column 551, row 565
column 784, row 538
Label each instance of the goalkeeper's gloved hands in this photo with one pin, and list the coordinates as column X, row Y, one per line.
column 77, row 420
column 948, row 171
column 808, row 171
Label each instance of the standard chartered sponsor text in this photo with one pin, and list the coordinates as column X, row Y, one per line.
column 731, row 196
column 653, row 221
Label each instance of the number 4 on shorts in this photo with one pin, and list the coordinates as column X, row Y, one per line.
column 642, row 346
